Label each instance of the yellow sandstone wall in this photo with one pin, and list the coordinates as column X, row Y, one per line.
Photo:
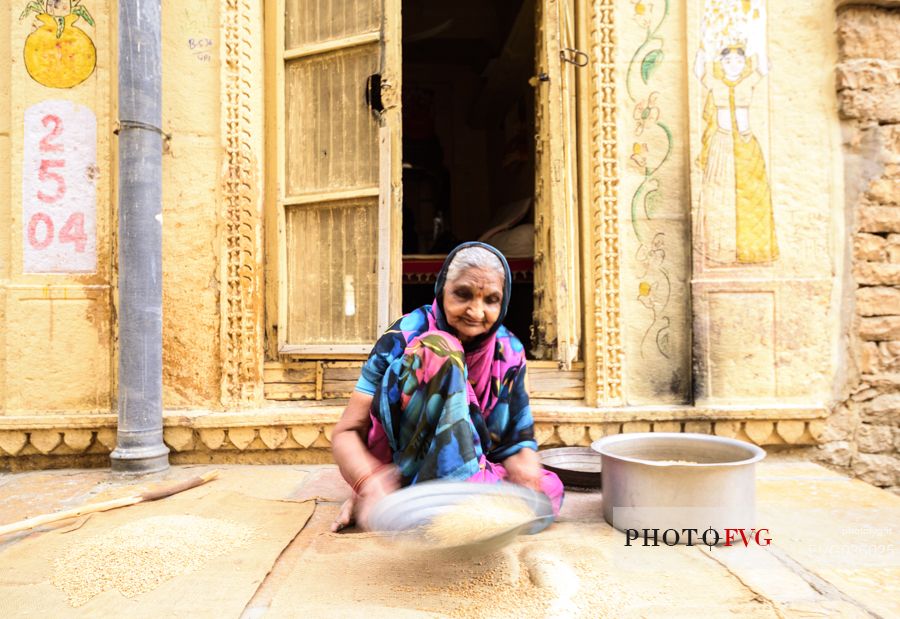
column 192, row 166
column 716, row 312
column 744, row 343
column 56, row 324
column 5, row 194
column 863, row 434
column 56, row 340
column 654, row 202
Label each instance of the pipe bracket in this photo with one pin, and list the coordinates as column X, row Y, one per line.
column 136, row 124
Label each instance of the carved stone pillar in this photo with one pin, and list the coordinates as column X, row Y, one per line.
column 241, row 299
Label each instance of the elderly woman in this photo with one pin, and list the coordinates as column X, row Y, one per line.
column 442, row 395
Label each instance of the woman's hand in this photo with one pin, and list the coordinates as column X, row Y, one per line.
column 376, row 485
column 383, row 481
column 356, row 462
column 345, row 517
column 524, row 468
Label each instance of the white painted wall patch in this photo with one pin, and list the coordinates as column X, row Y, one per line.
column 59, row 189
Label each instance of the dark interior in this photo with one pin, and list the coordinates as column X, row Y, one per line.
column 468, row 139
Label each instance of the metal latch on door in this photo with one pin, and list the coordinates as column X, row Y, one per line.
column 567, row 54
column 574, row 56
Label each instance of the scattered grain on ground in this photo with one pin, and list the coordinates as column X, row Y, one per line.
column 549, row 571
column 524, row 581
column 139, row 556
column 601, row 594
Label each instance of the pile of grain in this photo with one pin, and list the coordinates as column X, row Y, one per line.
column 139, row 556
column 530, row 580
column 491, row 595
column 475, row 519
column 497, row 586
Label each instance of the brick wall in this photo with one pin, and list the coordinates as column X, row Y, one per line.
column 863, row 434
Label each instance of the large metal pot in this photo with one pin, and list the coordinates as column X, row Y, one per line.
column 670, row 480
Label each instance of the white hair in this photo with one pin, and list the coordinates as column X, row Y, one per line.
column 474, row 258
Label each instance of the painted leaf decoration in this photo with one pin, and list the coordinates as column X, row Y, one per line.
column 82, row 12
column 649, row 64
column 34, row 7
column 652, row 202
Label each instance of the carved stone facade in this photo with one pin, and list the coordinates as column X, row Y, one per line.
column 286, row 435
column 605, row 311
column 242, row 197
column 227, row 401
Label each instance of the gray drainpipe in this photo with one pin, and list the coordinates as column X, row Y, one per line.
column 139, row 439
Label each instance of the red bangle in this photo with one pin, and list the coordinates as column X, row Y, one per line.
column 357, row 486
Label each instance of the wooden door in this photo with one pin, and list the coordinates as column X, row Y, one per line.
column 336, row 134
column 557, row 300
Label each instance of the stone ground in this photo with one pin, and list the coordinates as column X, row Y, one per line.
column 833, row 550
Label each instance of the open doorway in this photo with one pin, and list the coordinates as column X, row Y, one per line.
column 468, row 141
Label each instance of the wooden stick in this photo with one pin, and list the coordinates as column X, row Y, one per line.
column 90, row 508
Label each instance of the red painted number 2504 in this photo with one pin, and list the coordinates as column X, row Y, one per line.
column 40, row 227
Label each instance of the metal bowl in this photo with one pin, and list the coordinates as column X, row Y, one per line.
column 404, row 513
column 671, row 480
column 575, row 466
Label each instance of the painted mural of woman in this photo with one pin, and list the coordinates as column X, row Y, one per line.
column 738, row 224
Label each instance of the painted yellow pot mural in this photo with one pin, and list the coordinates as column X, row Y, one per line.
column 59, row 54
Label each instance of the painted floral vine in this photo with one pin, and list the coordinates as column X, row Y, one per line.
column 654, row 284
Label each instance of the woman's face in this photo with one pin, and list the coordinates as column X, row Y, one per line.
column 733, row 63
column 472, row 302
